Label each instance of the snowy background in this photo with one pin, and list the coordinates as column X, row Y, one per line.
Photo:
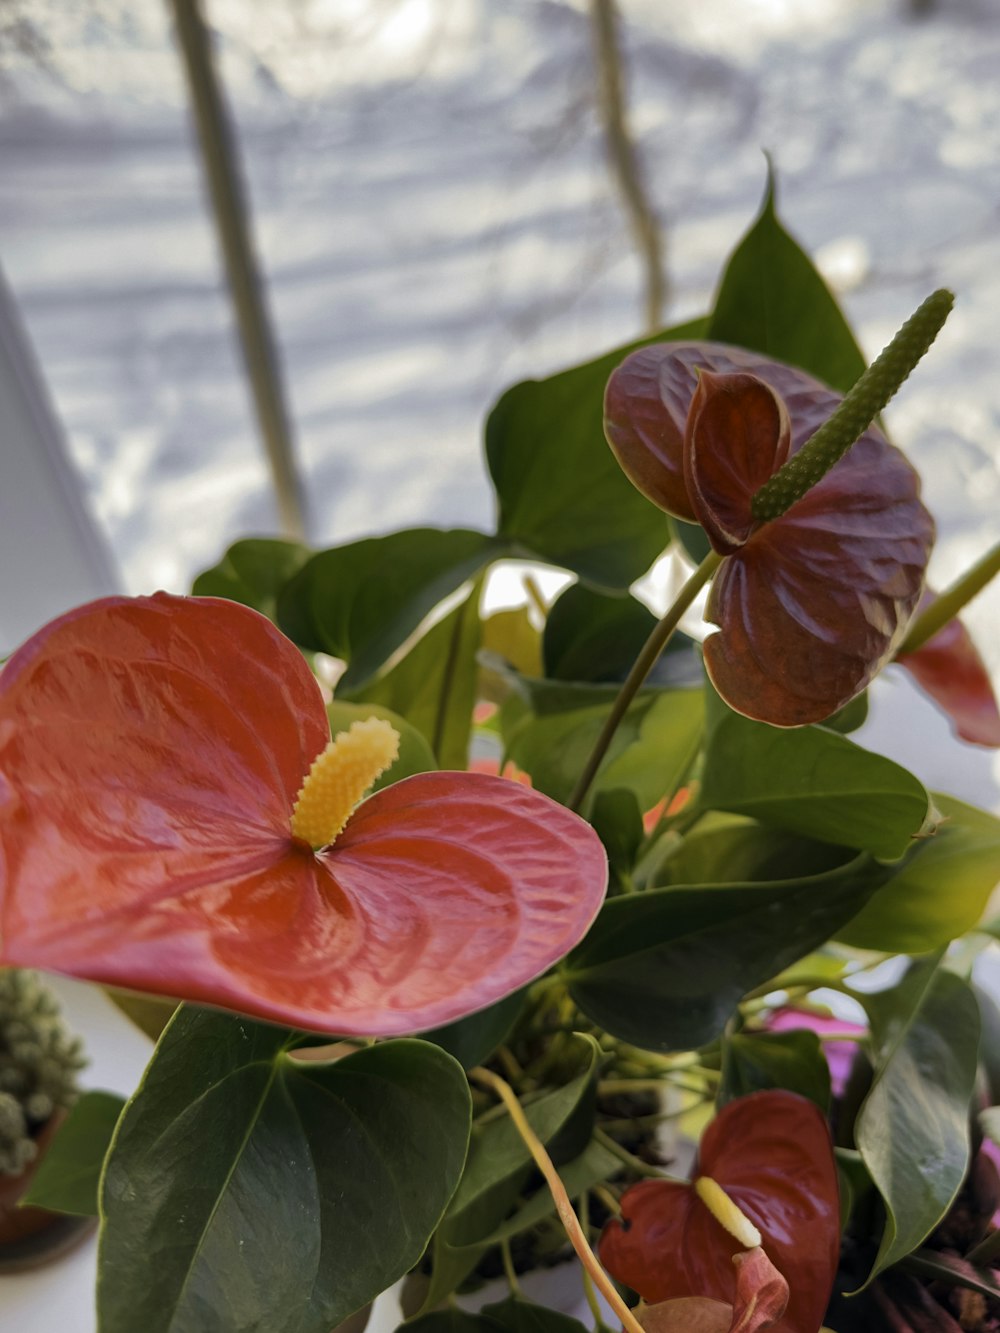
column 435, row 218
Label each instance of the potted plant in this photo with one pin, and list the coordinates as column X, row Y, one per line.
column 39, row 1062
column 438, row 1032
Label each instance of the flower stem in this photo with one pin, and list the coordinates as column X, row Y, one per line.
column 642, row 666
column 949, row 603
column 564, row 1208
column 859, row 408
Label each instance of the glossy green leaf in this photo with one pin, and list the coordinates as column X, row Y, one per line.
column 773, row 300
column 253, row 572
column 361, row 602
column 244, row 1185
column 516, row 1315
column 434, row 686
column 594, row 637
column 939, row 892
column 665, row 969
column 67, row 1179
column 815, row 782
column 561, row 495
column 913, row 1127
column 752, row 1062
column 474, row 1039
column 649, row 755
column 415, row 754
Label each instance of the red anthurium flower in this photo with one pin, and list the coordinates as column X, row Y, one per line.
column 771, row 1154
column 811, row 605
column 949, row 668
column 152, row 752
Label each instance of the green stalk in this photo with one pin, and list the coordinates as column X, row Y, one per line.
column 861, row 405
column 643, row 665
column 950, row 603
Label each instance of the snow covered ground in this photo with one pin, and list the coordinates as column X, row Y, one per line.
column 435, row 219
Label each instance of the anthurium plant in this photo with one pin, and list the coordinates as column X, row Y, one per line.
column 454, row 925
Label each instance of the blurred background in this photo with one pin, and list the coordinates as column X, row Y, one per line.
column 435, row 217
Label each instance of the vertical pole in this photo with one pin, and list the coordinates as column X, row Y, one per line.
column 624, row 159
column 219, row 160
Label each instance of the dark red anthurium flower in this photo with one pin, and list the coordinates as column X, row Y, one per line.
column 810, row 606
column 949, row 668
column 152, row 751
column 771, row 1153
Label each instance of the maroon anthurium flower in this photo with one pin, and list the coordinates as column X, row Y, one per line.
column 771, row 1154
column 949, row 668
column 152, row 752
column 811, row 605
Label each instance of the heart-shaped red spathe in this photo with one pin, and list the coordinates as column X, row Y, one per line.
column 771, row 1152
column 949, row 668
column 736, row 437
column 151, row 751
column 810, row 606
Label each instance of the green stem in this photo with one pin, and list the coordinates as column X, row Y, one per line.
column 508, row 1267
column 951, row 602
column 641, row 668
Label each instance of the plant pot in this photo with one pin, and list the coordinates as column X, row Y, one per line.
column 29, row 1236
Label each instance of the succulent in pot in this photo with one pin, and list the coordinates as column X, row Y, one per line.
column 39, row 1062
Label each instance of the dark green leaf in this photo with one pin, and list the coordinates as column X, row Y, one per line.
column 362, row 602
column 253, row 572
column 67, row 1179
column 474, row 1039
column 665, row 969
column 617, row 820
column 913, row 1127
column 591, row 636
column 752, row 1062
column 772, row 300
column 562, row 497
column 244, row 1185
column 519, row 1316
column 940, row 890
column 814, row 782
column 415, row 754
column 434, row 685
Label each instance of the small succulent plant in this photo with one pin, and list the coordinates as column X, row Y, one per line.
column 39, row 1062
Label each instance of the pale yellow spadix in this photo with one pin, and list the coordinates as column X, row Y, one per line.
column 339, row 777
column 725, row 1212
